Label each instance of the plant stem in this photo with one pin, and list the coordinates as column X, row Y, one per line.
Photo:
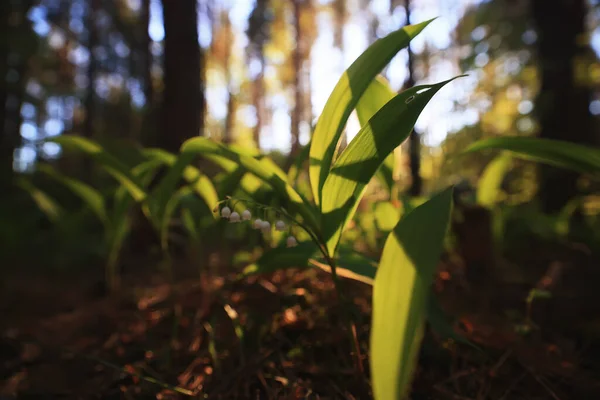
column 347, row 315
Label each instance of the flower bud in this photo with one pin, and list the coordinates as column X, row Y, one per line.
column 266, row 227
column 225, row 212
column 235, row 217
column 246, row 215
column 291, row 241
column 257, row 224
column 280, row 225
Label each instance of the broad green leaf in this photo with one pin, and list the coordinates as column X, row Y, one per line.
column 400, row 293
column 351, row 264
column 212, row 150
column 283, row 257
column 112, row 165
column 91, row 197
column 296, row 168
column 386, row 216
column 45, row 203
column 489, row 185
column 558, row 153
column 344, row 97
column 353, row 170
column 179, row 166
column 375, row 97
column 167, row 215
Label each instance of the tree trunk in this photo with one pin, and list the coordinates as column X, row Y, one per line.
column 258, row 94
column 297, row 58
column 562, row 104
column 90, row 98
column 231, row 105
column 15, row 28
column 414, row 140
column 147, row 54
column 183, row 97
column 8, row 141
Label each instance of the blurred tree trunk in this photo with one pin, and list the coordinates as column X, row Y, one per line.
column 90, row 98
column 231, row 100
column 258, row 31
column 147, row 53
column 414, row 140
column 562, row 104
column 340, row 15
column 148, row 132
column 8, row 141
column 297, row 57
column 15, row 29
column 183, row 97
column 258, row 97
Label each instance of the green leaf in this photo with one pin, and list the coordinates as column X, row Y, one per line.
column 344, row 97
column 297, row 166
column 45, row 203
column 272, row 176
column 353, row 170
column 386, row 216
column 375, row 97
column 351, row 264
column 558, row 153
column 167, row 215
column 112, row 165
column 489, row 186
column 400, row 293
column 179, row 166
column 91, row 197
column 283, row 257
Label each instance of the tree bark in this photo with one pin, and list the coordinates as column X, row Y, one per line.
column 14, row 28
column 183, row 97
column 562, row 104
column 147, row 54
column 258, row 94
column 297, row 58
column 414, row 139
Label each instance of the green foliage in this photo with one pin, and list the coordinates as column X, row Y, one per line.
column 400, row 294
column 553, row 152
column 45, row 203
column 112, row 165
column 373, row 99
column 355, row 167
column 344, row 98
column 489, row 186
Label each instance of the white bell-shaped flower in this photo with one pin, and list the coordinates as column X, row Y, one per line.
column 225, row 212
column 280, row 225
column 266, row 227
column 291, row 241
column 257, row 224
column 235, row 217
column 246, row 215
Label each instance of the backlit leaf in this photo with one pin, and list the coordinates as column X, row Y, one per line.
column 344, row 97
column 353, row 170
column 559, row 153
column 400, row 293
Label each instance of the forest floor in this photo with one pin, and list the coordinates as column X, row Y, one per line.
column 282, row 336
